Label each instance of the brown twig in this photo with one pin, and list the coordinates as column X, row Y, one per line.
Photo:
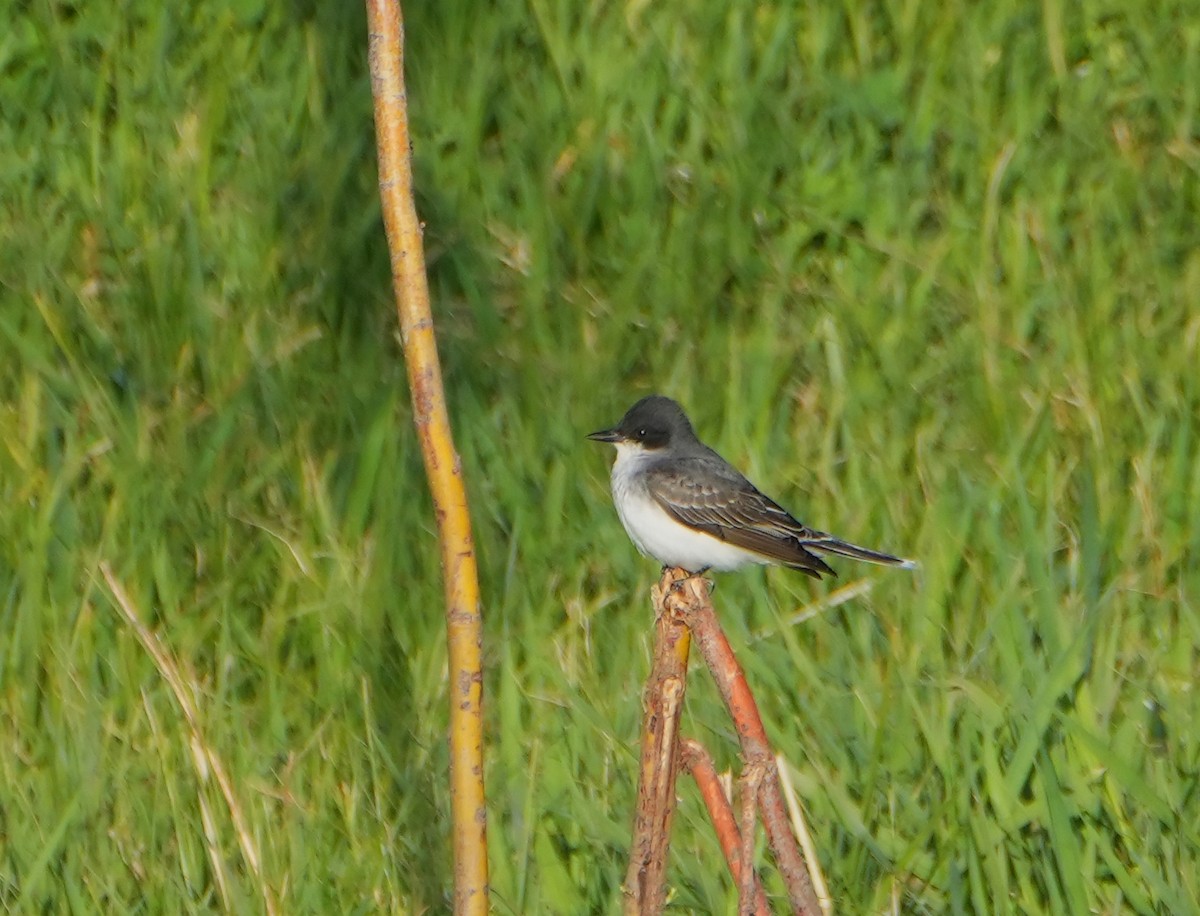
column 749, row 783
column 690, row 601
column 662, row 704
column 442, row 466
column 697, row 761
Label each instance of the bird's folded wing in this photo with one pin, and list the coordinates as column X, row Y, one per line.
column 733, row 510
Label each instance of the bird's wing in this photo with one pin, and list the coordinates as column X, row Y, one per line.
column 722, row 503
column 714, row 498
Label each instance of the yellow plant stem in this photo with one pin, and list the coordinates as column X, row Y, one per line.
column 442, row 465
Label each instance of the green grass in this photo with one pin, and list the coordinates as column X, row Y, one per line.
column 928, row 273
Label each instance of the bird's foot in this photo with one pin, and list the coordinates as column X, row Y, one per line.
column 677, row 580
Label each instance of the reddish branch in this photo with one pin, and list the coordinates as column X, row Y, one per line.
column 696, row 759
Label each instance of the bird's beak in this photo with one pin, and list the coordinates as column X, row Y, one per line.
column 606, row 435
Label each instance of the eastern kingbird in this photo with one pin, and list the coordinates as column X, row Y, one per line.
column 686, row 506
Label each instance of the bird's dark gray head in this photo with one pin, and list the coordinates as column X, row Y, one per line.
column 654, row 422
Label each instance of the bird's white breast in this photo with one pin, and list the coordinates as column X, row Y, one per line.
column 657, row 534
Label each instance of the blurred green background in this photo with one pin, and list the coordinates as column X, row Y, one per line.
column 927, row 272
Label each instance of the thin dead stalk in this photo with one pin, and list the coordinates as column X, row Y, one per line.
column 205, row 760
column 800, row 828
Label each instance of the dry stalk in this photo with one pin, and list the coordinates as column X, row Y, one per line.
column 464, row 623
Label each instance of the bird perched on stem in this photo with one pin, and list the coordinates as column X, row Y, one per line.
column 686, row 506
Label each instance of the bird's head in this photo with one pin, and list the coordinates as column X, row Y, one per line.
column 653, row 423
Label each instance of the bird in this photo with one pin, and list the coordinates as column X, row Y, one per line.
column 687, row 507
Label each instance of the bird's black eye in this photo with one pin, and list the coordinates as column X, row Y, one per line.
column 641, row 433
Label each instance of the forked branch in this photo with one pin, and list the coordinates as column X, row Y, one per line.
column 683, row 609
column 690, row 602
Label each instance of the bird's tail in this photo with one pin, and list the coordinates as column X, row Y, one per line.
column 827, row 543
